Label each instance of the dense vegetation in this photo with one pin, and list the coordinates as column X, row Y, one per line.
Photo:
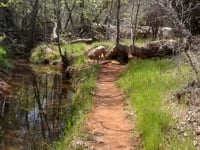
column 4, row 56
column 81, row 105
column 148, row 83
column 64, row 35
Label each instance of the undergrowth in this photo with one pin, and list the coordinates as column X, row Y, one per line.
column 4, row 56
column 82, row 102
column 76, row 51
column 146, row 83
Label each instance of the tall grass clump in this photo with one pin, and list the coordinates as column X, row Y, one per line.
column 77, row 51
column 81, row 104
column 146, row 83
column 44, row 52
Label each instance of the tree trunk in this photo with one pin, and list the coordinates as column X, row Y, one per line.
column 82, row 5
column 132, row 23
column 64, row 58
column 70, row 14
column 136, row 20
column 118, row 22
column 31, row 40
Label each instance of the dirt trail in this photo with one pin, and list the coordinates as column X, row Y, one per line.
column 108, row 123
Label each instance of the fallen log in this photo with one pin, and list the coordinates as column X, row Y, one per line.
column 87, row 41
column 161, row 48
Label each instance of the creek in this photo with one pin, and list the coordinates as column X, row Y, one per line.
column 35, row 116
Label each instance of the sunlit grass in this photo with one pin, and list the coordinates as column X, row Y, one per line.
column 138, row 42
column 146, row 83
column 76, row 49
column 44, row 52
column 77, row 52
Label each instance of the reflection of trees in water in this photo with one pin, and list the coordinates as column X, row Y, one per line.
column 39, row 108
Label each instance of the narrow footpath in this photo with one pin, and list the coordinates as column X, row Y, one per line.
column 108, row 124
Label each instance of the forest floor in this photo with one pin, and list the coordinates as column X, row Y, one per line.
column 108, row 124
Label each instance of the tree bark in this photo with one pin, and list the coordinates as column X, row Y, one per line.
column 70, row 14
column 136, row 20
column 31, row 40
column 118, row 22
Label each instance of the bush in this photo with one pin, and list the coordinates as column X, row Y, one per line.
column 4, row 60
column 44, row 52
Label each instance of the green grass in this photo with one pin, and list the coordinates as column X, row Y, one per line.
column 146, row 83
column 138, row 42
column 4, row 56
column 82, row 102
column 39, row 54
column 76, row 51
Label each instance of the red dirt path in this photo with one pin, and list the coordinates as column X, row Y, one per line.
column 108, row 123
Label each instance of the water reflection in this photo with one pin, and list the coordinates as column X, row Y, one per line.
column 35, row 116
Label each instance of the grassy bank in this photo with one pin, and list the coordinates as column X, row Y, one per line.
column 44, row 52
column 82, row 102
column 147, row 83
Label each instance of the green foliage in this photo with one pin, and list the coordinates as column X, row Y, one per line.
column 81, row 104
column 1, row 38
column 10, row 2
column 138, row 42
column 44, row 52
column 146, row 82
column 76, row 51
column 4, row 61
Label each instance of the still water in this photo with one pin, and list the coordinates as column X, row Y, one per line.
column 34, row 117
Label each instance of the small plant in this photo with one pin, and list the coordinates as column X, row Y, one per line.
column 4, row 60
